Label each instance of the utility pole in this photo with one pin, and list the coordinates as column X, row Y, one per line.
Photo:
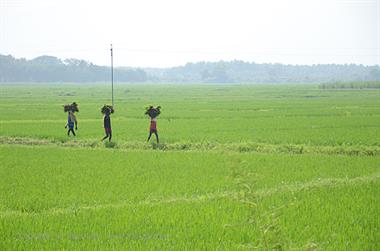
column 113, row 105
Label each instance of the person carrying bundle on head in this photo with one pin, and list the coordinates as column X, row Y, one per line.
column 71, row 118
column 153, row 114
column 107, row 110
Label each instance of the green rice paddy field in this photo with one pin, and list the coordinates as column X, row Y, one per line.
column 239, row 167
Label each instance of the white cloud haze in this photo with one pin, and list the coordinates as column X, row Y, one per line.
column 172, row 32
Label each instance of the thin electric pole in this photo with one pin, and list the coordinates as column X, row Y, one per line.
column 112, row 74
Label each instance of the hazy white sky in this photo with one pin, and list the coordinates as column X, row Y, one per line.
column 163, row 33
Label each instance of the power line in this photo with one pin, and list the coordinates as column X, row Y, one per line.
column 113, row 105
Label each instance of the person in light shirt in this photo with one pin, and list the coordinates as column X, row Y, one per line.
column 71, row 121
column 71, row 118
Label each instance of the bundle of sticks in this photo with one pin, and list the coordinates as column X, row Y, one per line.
column 107, row 109
column 71, row 107
column 153, row 112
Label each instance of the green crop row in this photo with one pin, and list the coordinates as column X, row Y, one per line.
column 80, row 198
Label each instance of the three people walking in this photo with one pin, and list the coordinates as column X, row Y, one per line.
column 107, row 110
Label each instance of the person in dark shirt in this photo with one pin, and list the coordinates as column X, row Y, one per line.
column 107, row 127
column 107, row 110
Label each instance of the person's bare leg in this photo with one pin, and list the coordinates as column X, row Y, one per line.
column 156, row 137
column 70, row 130
column 105, row 137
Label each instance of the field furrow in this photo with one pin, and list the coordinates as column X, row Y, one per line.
column 359, row 150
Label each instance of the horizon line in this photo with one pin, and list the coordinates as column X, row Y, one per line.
column 194, row 62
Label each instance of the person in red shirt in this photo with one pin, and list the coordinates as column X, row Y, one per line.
column 153, row 129
column 153, row 114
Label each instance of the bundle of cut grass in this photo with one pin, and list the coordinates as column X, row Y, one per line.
column 107, row 109
column 71, row 107
column 152, row 111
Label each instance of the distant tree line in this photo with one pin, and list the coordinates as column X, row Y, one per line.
column 52, row 69
column 243, row 72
